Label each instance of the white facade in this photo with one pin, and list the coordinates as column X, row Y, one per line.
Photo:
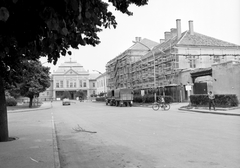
column 71, row 76
column 101, row 83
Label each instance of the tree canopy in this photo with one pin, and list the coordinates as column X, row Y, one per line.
column 30, row 29
column 34, row 79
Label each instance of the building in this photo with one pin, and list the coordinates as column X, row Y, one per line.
column 72, row 77
column 119, row 69
column 101, row 83
column 166, row 67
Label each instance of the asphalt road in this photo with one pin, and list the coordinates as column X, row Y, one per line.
column 93, row 135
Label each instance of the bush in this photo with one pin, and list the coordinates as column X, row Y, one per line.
column 149, row 98
column 100, row 99
column 11, row 101
column 221, row 100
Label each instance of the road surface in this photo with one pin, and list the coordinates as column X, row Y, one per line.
column 93, row 135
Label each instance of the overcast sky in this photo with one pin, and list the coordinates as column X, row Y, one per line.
column 215, row 18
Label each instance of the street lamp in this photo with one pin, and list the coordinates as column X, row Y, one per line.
column 154, row 68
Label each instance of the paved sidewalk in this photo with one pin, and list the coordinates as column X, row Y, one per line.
column 220, row 111
column 35, row 146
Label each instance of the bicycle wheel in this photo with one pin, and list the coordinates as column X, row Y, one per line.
column 155, row 106
column 166, row 106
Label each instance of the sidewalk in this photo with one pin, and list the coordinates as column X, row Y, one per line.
column 234, row 111
column 35, row 145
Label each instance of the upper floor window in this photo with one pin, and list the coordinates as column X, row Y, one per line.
column 57, row 84
column 216, row 59
column 80, row 83
column 192, row 62
column 93, row 84
column 61, row 84
column 84, row 84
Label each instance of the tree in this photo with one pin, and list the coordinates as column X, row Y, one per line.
column 34, row 79
column 31, row 29
column 80, row 94
column 66, row 94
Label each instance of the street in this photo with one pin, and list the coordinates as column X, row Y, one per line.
column 92, row 135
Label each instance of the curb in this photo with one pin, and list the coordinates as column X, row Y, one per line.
column 29, row 109
column 55, row 145
column 210, row 112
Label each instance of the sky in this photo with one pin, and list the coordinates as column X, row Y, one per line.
column 215, row 18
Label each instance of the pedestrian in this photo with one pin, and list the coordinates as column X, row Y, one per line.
column 211, row 98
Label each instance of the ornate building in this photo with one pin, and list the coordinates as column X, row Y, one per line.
column 70, row 76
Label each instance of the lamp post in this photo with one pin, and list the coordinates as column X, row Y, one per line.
column 154, row 68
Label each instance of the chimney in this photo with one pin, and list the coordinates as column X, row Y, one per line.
column 190, row 22
column 161, row 41
column 178, row 21
column 173, row 32
column 167, row 35
column 137, row 39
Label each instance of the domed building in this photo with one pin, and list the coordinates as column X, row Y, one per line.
column 72, row 77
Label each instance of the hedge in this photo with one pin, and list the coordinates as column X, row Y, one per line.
column 221, row 100
column 101, row 99
column 149, row 98
column 11, row 101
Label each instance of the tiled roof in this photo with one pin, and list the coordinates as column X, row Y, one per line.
column 147, row 42
column 198, row 39
column 93, row 76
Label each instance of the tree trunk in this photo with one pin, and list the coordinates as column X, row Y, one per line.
column 3, row 114
column 30, row 102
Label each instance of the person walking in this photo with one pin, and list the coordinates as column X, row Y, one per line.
column 211, row 98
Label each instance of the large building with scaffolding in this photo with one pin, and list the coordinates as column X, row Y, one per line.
column 167, row 65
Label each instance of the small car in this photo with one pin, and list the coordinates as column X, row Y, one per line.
column 66, row 102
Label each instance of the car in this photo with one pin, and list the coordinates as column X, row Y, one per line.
column 66, row 102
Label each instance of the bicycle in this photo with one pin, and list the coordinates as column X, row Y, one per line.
column 163, row 105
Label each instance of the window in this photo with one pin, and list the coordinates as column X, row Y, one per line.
column 93, row 84
column 192, row 62
column 57, row 84
column 216, row 59
column 80, row 83
column 84, row 84
column 47, row 93
column 61, row 84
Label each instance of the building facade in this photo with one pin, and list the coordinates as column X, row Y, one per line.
column 101, row 82
column 167, row 65
column 72, row 77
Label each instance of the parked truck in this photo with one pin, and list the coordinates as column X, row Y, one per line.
column 120, row 97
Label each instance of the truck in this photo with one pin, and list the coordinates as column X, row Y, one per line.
column 120, row 97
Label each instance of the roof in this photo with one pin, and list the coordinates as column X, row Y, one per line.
column 138, row 46
column 196, row 39
column 146, row 44
column 76, row 67
column 93, row 76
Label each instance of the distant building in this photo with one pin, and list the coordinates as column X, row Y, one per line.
column 70, row 76
column 101, row 83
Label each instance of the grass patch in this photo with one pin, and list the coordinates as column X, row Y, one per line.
column 22, row 106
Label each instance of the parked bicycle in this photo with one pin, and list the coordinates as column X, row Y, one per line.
column 163, row 105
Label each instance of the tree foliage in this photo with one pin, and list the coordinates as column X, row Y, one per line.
column 34, row 79
column 30, row 29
